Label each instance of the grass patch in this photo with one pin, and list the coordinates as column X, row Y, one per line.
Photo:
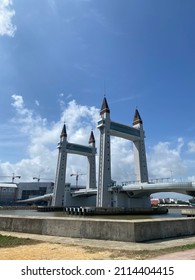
column 146, row 254
column 140, row 254
column 7, row 241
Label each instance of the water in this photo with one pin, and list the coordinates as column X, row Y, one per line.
column 173, row 213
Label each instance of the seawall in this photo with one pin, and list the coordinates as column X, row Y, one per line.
column 104, row 229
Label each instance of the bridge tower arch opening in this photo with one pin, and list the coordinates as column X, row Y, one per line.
column 66, row 148
column 134, row 133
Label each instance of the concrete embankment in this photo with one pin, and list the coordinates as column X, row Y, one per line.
column 103, row 229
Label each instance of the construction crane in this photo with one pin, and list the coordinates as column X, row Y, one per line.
column 13, row 177
column 39, row 178
column 77, row 178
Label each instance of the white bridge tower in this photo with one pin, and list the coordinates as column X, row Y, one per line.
column 104, row 178
column 135, row 134
column 64, row 148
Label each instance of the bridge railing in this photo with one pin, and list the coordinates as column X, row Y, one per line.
column 160, row 180
column 151, row 181
column 135, row 182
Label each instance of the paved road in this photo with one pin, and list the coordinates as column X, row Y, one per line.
column 107, row 244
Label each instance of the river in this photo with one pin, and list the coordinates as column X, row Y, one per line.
column 173, row 213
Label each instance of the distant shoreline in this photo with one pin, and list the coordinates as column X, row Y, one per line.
column 26, row 207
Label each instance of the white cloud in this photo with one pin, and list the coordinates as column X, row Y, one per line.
column 6, row 14
column 26, row 118
column 68, row 96
column 18, row 102
column 191, row 147
column 37, row 102
column 78, row 117
column 62, row 99
column 122, row 160
column 165, row 161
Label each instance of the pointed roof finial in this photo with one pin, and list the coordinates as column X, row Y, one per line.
column 63, row 133
column 137, row 119
column 104, row 107
column 91, row 138
column 104, row 88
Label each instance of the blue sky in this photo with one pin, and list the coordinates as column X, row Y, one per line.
column 58, row 59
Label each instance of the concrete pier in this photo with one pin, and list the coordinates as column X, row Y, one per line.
column 102, row 229
column 188, row 212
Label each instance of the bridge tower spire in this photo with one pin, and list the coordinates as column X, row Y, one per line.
column 141, row 170
column 59, row 186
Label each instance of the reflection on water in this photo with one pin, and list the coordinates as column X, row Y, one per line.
column 31, row 213
column 173, row 213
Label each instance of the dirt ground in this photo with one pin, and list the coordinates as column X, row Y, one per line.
column 48, row 251
column 53, row 251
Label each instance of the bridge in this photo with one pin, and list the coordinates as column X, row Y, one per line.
column 105, row 194
column 144, row 189
column 139, row 190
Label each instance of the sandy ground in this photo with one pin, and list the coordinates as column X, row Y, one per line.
column 51, row 251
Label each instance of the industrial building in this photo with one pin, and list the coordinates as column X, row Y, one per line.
column 8, row 192
column 12, row 193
